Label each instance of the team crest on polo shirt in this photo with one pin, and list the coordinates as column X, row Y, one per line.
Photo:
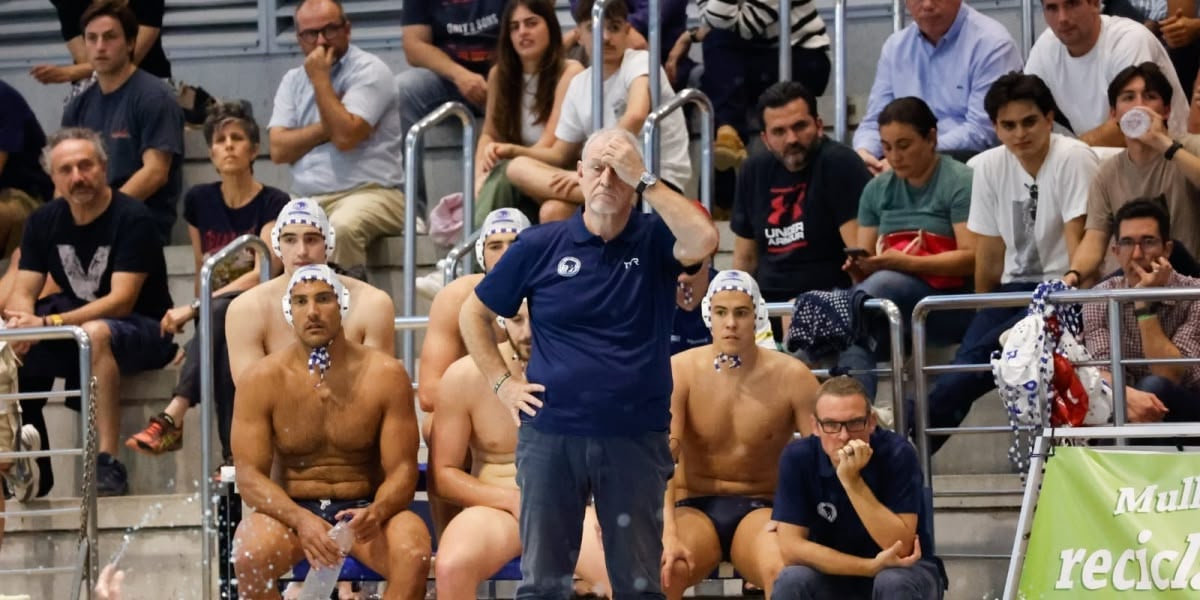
column 568, row 266
column 827, row 511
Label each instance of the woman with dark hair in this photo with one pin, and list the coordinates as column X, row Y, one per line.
column 525, row 93
column 912, row 221
column 217, row 213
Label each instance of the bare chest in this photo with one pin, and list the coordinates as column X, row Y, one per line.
column 307, row 422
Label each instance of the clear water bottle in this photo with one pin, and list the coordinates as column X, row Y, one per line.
column 319, row 583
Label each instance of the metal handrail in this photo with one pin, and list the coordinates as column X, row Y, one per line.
column 897, row 15
column 840, row 109
column 654, row 27
column 208, row 389
column 651, row 139
column 896, row 350
column 1026, row 27
column 598, row 64
column 456, row 254
column 411, row 149
column 87, row 560
column 785, row 40
column 1114, row 298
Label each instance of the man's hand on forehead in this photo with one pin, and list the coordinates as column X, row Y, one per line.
column 624, row 158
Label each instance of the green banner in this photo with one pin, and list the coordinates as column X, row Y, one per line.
column 1114, row 524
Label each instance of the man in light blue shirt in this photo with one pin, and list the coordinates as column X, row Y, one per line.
column 337, row 123
column 949, row 56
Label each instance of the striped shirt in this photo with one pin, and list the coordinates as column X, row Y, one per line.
column 759, row 20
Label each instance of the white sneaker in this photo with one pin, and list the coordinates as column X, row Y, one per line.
column 23, row 476
column 422, row 227
column 430, row 284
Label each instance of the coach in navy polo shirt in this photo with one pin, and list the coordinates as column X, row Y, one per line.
column 850, row 508
column 594, row 403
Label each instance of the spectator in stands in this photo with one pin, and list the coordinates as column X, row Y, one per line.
column 530, row 66
column 740, row 46
column 450, row 46
column 851, row 523
column 1081, row 51
column 345, row 438
column 600, row 363
column 147, row 48
column 24, row 185
column 135, row 113
column 336, row 122
column 673, row 20
column 1174, row 23
column 912, row 226
column 99, row 246
column 474, row 429
column 724, row 504
column 1167, row 329
column 949, row 56
column 1154, row 164
column 549, row 177
column 797, row 206
column 217, row 213
column 301, row 236
column 1028, row 204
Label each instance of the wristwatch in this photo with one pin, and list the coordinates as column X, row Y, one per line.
column 646, row 180
column 1150, row 309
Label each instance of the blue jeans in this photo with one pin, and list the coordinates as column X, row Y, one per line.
column 421, row 91
column 627, row 477
column 905, row 291
column 918, row 582
column 952, row 394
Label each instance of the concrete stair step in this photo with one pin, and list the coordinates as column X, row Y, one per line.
column 975, row 519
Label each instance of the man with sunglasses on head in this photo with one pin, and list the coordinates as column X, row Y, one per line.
column 1167, row 329
column 337, row 123
column 852, row 519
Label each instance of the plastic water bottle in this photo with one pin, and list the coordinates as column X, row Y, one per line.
column 319, row 583
column 1135, row 123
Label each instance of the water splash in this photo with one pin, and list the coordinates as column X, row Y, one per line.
column 154, row 510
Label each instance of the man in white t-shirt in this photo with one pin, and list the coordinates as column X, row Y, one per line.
column 1081, row 51
column 548, row 174
column 1028, row 205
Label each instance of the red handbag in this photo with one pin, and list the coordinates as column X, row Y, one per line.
column 923, row 243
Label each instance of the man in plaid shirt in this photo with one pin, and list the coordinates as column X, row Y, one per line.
column 1167, row 329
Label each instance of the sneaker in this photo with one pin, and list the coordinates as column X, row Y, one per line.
column 22, row 478
column 728, row 149
column 161, row 435
column 430, row 284
column 422, row 226
column 111, row 477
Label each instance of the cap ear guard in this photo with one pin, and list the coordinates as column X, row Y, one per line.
column 316, row 273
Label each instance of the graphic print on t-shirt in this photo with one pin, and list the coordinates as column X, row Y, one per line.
column 1028, row 261
column 785, row 224
column 84, row 284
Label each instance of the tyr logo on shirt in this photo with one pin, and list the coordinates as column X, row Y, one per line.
column 785, row 224
column 85, row 284
column 633, row 262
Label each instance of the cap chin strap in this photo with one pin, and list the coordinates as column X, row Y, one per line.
column 733, row 360
column 319, row 362
column 689, row 292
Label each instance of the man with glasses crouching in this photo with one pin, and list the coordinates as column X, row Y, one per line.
column 850, row 506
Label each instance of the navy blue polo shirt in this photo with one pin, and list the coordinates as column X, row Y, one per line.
column 688, row 329
column 810, row 495
column 601, row 315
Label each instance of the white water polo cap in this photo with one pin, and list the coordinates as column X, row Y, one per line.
column 303, row 211
column 501, row 220
column 316, row 273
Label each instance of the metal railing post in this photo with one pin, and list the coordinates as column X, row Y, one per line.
column 456, row 254
column 1114, row 355
column 840, row 109
column 411, row 142
column 89, row 451
column 651, row 136
column 921, row 391
column 654, row 26
column 598, row 64
column 897, row 15
column 785, row 40
column 208, row 389
column 1026, row 27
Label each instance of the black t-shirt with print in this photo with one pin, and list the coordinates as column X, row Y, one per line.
column 794, row 218
column 82, row 259
column 204, row 208
column 466, row 31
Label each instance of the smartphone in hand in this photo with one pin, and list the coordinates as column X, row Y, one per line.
column 856, row 253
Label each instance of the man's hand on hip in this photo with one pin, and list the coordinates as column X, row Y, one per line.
column 517, row 395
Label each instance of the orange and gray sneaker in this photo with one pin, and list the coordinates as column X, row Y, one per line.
column 728, row 149
column 160, row 436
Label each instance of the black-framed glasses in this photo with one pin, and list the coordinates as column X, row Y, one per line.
column 1146, row 243
column 329, row 31
column 852, row 426
column 1033, row 201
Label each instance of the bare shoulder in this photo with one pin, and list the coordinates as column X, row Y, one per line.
column 264, row 375
column 456, row 292
column 693, row 356
column 256, row 297
column 365, row 295
column 462, row 382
